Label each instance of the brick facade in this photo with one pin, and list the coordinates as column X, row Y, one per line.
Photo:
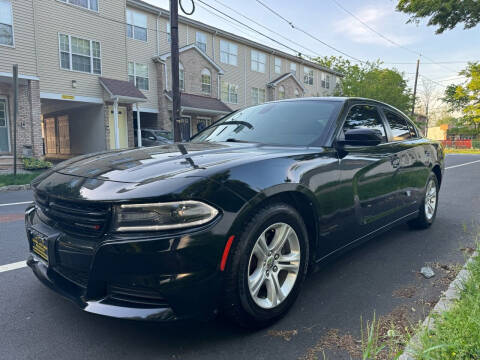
column 193, row 63
column 289, row 84
column 29, row 131
column 163, row 117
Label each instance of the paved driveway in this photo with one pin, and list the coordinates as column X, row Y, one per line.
column 379, row 276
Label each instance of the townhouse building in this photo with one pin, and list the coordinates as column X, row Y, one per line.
column 102, row 68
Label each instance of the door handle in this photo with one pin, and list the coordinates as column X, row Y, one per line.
column 395, row 161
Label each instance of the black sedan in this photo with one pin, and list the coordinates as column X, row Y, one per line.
column 233, row 220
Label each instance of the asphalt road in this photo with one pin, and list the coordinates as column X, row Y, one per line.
column 380, row 276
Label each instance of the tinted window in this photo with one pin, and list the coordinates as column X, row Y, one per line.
column 280, row 123
column 399, row 126
column 365, row 117
column 146, row 134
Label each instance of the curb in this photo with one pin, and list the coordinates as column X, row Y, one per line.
column 15, row 187
column 445, row 303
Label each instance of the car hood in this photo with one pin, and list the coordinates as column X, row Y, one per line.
column 168, row 161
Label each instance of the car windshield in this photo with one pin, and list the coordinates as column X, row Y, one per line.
column 166, row 134
column 279, row 123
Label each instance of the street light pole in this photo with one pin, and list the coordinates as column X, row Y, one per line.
column 175, row 70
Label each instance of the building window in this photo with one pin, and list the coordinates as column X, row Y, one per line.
column 278, row 65
column 281, row 92
column 323, row 80
column 169, row 33
column 258, row 60
column 327, row 82
column 201, row 41
column 138, row 75
column 296, row 93
column 206, row 82
column 229, row 93
column 228, row 52
column 80, row 54
column 136, row 25
column 307, row 76
column 293, row 68
column 181, row 77
column 6, row 23
column 258, row 96
column 87, row 4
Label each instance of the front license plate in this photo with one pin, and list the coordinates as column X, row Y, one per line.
column 40, row 245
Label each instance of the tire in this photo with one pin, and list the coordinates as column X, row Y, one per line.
column 426, row 215
column 245, row 266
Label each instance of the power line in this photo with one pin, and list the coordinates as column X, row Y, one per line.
column 386, row 38
column 250, row 28
column 264, row 27
column 293, row 26
column 428, row 63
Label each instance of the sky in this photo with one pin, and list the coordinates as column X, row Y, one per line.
column 327, row 21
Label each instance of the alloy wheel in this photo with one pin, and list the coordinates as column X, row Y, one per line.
column 274, row 265
column 430, row 199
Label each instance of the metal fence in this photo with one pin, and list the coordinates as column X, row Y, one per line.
column 461, row 144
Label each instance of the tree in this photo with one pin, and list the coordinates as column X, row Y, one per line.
column 445, row 14
column 368, row 80
column 466, row 98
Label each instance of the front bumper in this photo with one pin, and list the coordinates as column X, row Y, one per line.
column 160, row 278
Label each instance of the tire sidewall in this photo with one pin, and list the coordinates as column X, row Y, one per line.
column 422, row 209
column 271, row 215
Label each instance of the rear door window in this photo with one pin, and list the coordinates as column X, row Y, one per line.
column 365, row 117
column 399, row 126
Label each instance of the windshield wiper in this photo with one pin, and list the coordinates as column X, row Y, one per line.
column 236, row 122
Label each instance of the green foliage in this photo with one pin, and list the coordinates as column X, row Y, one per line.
column 456, row 334
column 368, row 80
column 34, row 164
column 466, row 98
column 20, row 179
column 445, row 14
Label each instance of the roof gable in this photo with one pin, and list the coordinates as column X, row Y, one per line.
column 121, row 89
column 164, row 57
column 283, row 77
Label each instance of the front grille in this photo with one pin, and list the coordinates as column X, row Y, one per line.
column 135, row 297
column 76, row 218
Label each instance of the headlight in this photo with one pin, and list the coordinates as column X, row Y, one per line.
column 162, row 216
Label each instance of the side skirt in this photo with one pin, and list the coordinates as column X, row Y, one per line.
column 365, row 238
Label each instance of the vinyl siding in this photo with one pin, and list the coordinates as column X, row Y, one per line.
column 23, row 52
column 143, row 52
column 107, row 26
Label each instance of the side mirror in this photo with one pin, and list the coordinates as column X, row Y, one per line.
column 362, row 137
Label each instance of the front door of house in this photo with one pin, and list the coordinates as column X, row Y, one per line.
column 122, row 127
column 4, row 144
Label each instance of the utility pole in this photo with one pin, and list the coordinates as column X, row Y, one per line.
column 177, row 137
column 415, row 88
column 15, row 112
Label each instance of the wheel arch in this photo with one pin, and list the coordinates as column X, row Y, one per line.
column 299, row 197
column 438, row 173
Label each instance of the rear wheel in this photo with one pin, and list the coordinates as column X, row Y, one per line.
column 428, row 207
column 268, row 265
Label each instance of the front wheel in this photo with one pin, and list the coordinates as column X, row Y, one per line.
column 428, row 207
column 268, row 265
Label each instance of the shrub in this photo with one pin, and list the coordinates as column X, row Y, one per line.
column 35, row 164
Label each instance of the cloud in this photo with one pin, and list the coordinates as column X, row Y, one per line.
column 380, row 19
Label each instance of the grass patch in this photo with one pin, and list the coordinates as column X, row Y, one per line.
column 456, row 334
column 20, row 179
column 462, row 151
